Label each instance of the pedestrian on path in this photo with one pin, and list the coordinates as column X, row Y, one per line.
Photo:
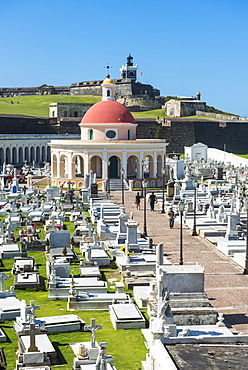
column 137, row 201
column 171, row 215
column 152, row 199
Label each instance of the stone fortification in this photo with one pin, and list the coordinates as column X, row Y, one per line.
column 124, row 87
column 180, row 132
column 183, row 108
column 37, row 90
column 19, row 124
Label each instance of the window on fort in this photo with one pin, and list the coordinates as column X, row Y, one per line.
column 76, row 113
column 53, row 113
column 129, row 135
column 91, row 134
column 65, row 113
column 108, row 92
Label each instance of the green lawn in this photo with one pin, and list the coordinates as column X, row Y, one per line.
column 150, row 114
column 242, row 155
column 38, row 105
column 126, row 346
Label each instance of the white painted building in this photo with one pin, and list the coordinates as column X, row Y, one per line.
column 17, row 148
column 108, row 144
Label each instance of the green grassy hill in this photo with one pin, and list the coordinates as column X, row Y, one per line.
column 38, row 105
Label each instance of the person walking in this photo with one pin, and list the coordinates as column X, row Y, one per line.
column 152, row 199
column 171, row 215
column 137, row 201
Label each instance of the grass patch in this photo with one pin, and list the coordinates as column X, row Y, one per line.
column 38, row 105
column 126, row 346
column 150, row 113
column 242, row 155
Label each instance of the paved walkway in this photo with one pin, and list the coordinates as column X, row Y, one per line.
column 226, row 286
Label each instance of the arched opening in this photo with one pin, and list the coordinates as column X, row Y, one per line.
column 108, row 92
column 1, row 156
column 129, row 134
column 32, row 158
column 26, row 154
column 63, row 166
column 90, row 134
column 96, row 166
column 148, row 166
column 7, row 155
column 43, row 154
column 20, row 155
column 75, row 113
column 14, row 155
column 77, row 166
column 114, row 167
column 37, row 154
column 48, row 158
column 132, row 167
column 65, row 113
column 159, row 165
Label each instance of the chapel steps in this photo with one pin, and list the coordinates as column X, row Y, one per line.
column 116, row 184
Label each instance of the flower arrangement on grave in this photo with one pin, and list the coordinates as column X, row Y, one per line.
column 130, row 254
column 122, row 247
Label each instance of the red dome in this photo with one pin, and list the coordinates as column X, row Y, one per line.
column 108, row 112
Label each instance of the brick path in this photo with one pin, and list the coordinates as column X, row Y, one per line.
column 226, row 286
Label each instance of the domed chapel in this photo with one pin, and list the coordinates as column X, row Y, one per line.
column 108, row 144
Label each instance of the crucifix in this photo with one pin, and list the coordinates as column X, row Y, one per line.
column 93, row 327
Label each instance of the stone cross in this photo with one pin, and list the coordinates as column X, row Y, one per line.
column 93, row 327
column 32, row 331
column 3, row 277
column 53, row 225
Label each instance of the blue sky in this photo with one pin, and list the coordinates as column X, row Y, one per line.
column 180, row 46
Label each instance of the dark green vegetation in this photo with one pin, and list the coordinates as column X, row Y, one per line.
column 126, row 346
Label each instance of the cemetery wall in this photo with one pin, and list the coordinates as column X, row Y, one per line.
column 230, row 135
column 18, row 124
column 180, row 132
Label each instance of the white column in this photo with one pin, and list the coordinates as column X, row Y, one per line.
column 155, row 164
column 105, row 165
column 141, row 157
column 69, row 164
column 124, row 162
column 86, row 163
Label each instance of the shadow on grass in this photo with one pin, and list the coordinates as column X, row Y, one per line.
column 60, row 356
column 8, row 340
column 43, row 283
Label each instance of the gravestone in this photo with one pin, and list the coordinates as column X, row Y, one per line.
column 94, row 190
column 59, row 238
